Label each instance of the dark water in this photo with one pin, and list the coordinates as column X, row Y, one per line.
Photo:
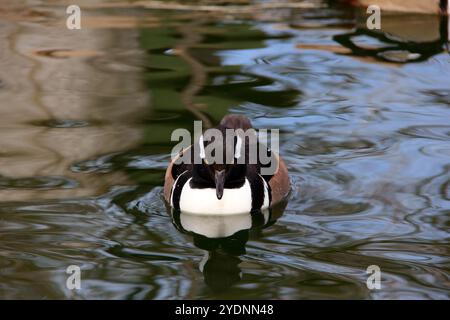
column 85, row 123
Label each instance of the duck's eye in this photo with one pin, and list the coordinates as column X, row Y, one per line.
column 236, row 172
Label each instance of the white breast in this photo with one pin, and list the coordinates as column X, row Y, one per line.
column 204, row 201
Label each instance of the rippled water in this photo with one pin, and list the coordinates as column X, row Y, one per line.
column 85, row 127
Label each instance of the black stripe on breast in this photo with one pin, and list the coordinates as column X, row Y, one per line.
column 257, row 188
column 178, row 187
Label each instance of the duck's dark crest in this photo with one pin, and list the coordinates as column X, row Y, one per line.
column 235, row 121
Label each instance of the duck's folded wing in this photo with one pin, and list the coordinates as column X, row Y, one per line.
column 173, row 171
column 279, row 183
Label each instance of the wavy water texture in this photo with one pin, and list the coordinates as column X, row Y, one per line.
column 85, row 125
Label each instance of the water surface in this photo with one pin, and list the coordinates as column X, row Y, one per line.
column 85, row 123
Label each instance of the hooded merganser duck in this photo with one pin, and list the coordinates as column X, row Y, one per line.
column 230, row 188
column 418, row 6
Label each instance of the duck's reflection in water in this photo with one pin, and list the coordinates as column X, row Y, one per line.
column 224, row 239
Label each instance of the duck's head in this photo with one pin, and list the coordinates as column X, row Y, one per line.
column 220, row 169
